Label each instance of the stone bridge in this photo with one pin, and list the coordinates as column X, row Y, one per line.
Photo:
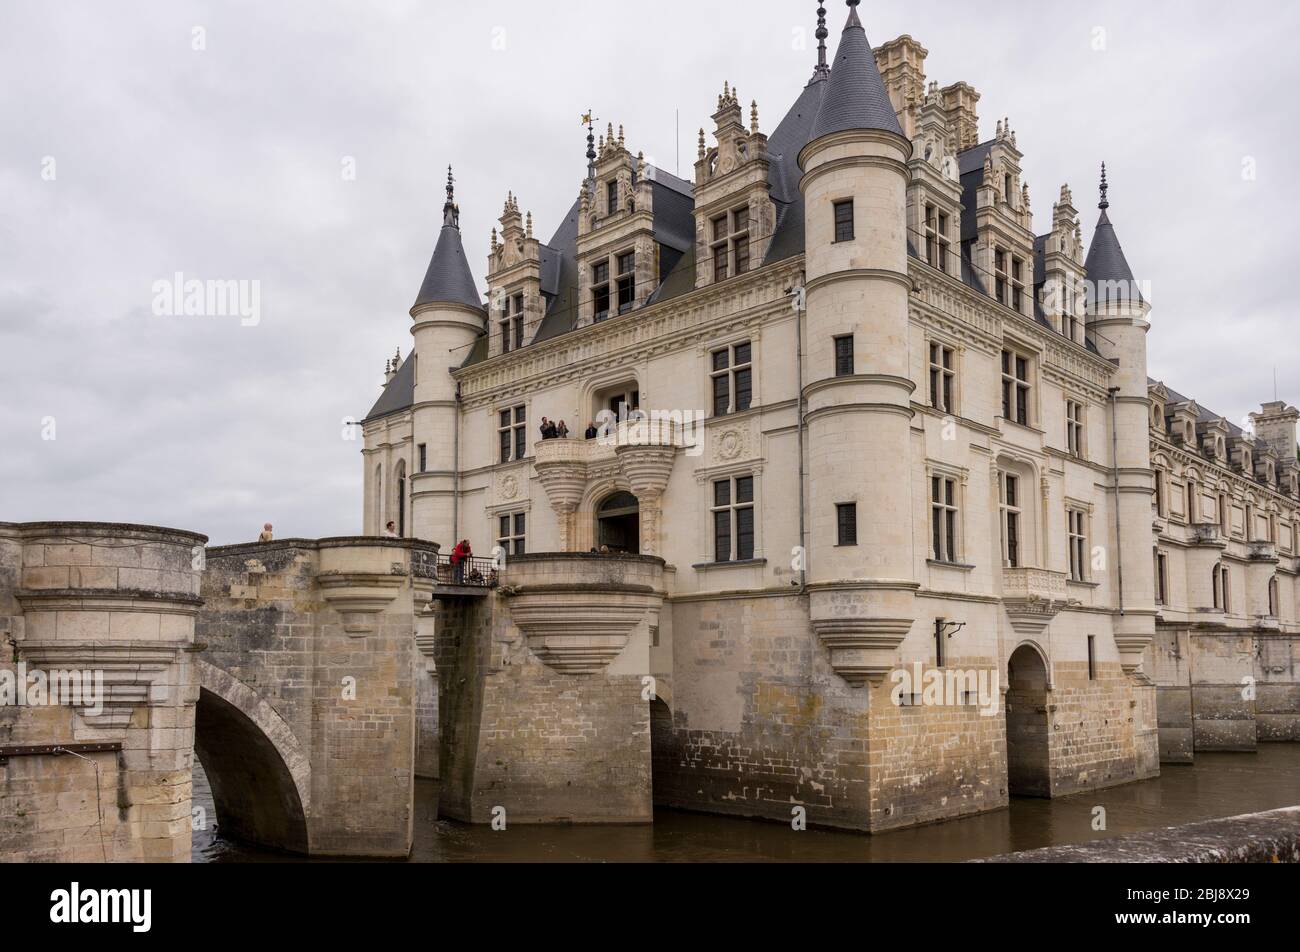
column 302, row 675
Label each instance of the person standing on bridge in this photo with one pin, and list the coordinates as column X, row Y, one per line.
column 459, row 556
column 268, row 533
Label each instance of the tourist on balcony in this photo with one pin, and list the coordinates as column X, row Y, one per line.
column 592, row 432
column 562, row 430
column 549, row 431
column 390, row 531
column 459, row 556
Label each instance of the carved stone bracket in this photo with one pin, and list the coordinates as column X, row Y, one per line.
column 359, row 597
column 862, row 650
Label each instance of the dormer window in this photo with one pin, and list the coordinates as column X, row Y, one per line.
column 1189, row 434
column 1245, row 462
column 1157, row 418
column 730, row 241
column 512, row 324
column 936, row 238
column 600, row 289
column 626, row 282
column 1218, row 447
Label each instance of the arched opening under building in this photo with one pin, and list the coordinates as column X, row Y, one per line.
column 1028, row 764
column 253, row 792
column 663, row 752
column 618, row 524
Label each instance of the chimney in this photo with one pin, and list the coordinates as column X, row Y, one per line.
column 1275, row 427
column 902, row 66
column 959, row 102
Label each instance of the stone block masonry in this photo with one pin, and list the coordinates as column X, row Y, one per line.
column 117, row 602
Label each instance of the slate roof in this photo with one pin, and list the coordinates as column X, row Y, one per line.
column 449, row 279
column 399, row 393
column 855, row 94
column 1106, row 261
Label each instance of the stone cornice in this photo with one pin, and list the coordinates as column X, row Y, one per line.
column 1240, row 484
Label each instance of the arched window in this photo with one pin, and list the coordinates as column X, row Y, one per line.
column 399, row 498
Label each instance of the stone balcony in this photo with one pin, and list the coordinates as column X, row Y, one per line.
column 1033, row 597
column 1262, row 551
column 1208, row 534
column 637, row 455
column 578, row 612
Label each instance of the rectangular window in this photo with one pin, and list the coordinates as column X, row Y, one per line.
column 1015, row 387
column 512, row 533
column 942, row 378
column 1162, row 578
column 1162, row 506
column 940, row 642
column 943, row 519
column 600, row 289
column 936, row 238
column 1000, row 275
column 844, row 356
column 626, row 282
column 844, row 221
column 1009, row 491
column 733, row 519
column 730, row 243
column 424, row 457
column 1074, row 427
column 1092, row 657
column 1017, row 284
column 1077, row 521
column 512, row 434
column 846, row 523
column 611, row 196
column 732, row 379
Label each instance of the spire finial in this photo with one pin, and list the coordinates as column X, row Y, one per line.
column 853, row 15
column 450, row 212
column 589, row 118
column 1105, row 202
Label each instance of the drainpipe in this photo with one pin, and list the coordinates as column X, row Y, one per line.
column 797, row 293
column 1114, row 453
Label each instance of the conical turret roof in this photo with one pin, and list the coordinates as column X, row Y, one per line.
column 855, row 94
column 449, row 279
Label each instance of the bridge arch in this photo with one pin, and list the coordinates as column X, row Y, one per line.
column 260, row 774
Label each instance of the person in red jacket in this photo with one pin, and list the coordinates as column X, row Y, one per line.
column 459, row 556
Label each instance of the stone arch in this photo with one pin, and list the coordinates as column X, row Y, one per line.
column 1028, row 723
column 259, row 772
column 664, row 753
column 618, row 522
column 585, row 519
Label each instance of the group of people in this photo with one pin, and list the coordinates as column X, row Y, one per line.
column 559, row 430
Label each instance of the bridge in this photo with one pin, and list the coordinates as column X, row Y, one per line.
column 304, row 676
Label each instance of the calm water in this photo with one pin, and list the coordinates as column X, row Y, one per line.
column 1218, row 785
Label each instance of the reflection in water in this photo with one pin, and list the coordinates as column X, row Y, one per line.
column 1218, row 785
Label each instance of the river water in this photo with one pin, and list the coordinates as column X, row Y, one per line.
column 1219, row 785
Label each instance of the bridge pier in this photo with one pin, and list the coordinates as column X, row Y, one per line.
column 545, row 692
column 96, row 765
column 306, row 720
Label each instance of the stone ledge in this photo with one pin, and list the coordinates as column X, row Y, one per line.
column 109, row 529
column 1255, row 838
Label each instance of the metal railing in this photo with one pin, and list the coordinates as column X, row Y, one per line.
column 468, row 573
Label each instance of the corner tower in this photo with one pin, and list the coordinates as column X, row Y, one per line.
column 1118, row 325
column 448, row 317
column 857, row 389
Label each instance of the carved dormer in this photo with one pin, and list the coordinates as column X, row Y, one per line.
column 618, row 258
column 1265, row 468
column 1182, row 426
column 934, row 192
column 514, row 282
column 1242, row 454
column 1213, row 440
column 1004, row 245
column 902, row 67
column 1063, row 298
column 1159, row 395
column 734, row 212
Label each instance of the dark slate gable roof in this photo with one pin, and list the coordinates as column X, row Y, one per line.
column 783, row 148
column 449, row 279
column 1205, row 416
column 399, row 393
column 855, row 94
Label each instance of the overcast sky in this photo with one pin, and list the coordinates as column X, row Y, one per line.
column 230, row 162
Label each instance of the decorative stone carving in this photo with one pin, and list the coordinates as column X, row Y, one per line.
column 862, row 650
column 1032, row 598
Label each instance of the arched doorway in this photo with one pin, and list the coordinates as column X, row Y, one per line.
column 663, row 752
column 1028, row 763
column 618, row 524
